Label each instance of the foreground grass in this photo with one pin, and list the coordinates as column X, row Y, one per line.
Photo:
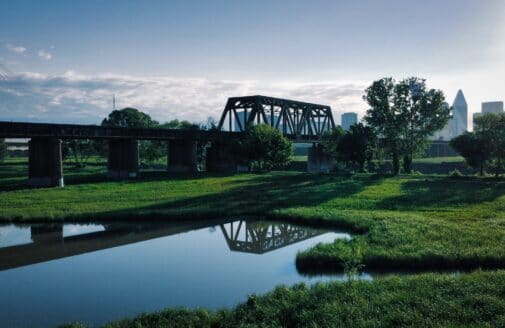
column 428, row 300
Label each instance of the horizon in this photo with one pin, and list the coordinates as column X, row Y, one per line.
column 62, row 62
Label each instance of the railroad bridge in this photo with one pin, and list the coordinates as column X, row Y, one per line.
column 299, row 121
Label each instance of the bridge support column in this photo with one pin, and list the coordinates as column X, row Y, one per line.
column 46, row 233
column 318, row 160
column 123, row 162
column 44, row 162
column 221, row 158
column 181, row 156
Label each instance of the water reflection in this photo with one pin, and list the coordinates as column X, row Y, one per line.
column 261, row 237
column 104, row 271
column 54, row 241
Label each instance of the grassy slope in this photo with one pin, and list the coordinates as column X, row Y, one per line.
column 429, row 300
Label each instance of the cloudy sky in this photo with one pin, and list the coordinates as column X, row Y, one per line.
column 61, row 61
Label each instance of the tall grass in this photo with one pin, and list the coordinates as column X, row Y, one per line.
column 429, row 300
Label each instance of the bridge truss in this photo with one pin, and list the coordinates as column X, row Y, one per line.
column 299, row 121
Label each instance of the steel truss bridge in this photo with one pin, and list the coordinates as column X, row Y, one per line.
column 299, row 121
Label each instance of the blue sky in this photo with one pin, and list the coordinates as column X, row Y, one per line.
column 64, row 59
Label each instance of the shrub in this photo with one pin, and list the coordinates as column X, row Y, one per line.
column 455, row 174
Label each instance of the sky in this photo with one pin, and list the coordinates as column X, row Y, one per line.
column 61, row 61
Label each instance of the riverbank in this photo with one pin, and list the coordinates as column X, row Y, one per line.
column 416, row 222
column 428, row 300
column 407, row 222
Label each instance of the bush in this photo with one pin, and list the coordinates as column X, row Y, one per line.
column 264, row 147
column 455, row 174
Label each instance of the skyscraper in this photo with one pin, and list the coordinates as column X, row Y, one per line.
column 349, row 119
column 459, row 115
column 495, row 107
column 458, row 123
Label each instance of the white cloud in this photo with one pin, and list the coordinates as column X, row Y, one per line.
column 46, row 55
column 75, row 98
column 16, row 49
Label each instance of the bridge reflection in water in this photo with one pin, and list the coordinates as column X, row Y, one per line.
column 260, row 237
column 48, row 241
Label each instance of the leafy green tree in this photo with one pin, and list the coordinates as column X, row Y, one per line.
column 357, row 146
column 129, row 118
column 133, row 118
column 176, row 124
column 404, row 115
column 385, row 118
column 424, row 111
column 265, row 147
column 79, row 150
column 490, row 128
column 3, row 150
column 331, row 141
column 473, row 149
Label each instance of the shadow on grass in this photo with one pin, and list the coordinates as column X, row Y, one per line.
column 14, row 176
column 255, row 196
column 439, row 192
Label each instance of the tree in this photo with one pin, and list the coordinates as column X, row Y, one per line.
column 473, row 149
column 265, row 147
column 490, row 129
column 357, row 146
column 404, row 115
column 331, row 141
column 129, row 118
column 384, row 118
column 425, row 112
column 80, row 150
column 3, row 150
column 133, row 118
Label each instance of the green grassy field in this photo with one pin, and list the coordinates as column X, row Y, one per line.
column 428, row 300
column 417, row 222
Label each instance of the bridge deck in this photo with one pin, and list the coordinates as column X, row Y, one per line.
column 80, row 131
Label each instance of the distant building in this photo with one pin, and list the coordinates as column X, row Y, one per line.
column 458, row 123
column 495, row 107
column 349, row 119
column 459, row 115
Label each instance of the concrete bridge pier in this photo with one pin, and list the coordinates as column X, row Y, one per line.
column 123, row 161
column 221, row 158
column 44, row 162
column 318, row 160
column 47, row 233
column 181, row 156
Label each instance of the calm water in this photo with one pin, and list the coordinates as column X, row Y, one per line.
column 50, row 274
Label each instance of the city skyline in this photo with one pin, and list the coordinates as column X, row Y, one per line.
column 183, row 61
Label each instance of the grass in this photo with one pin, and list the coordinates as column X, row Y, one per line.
column 428, row 300
column 417, row 222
